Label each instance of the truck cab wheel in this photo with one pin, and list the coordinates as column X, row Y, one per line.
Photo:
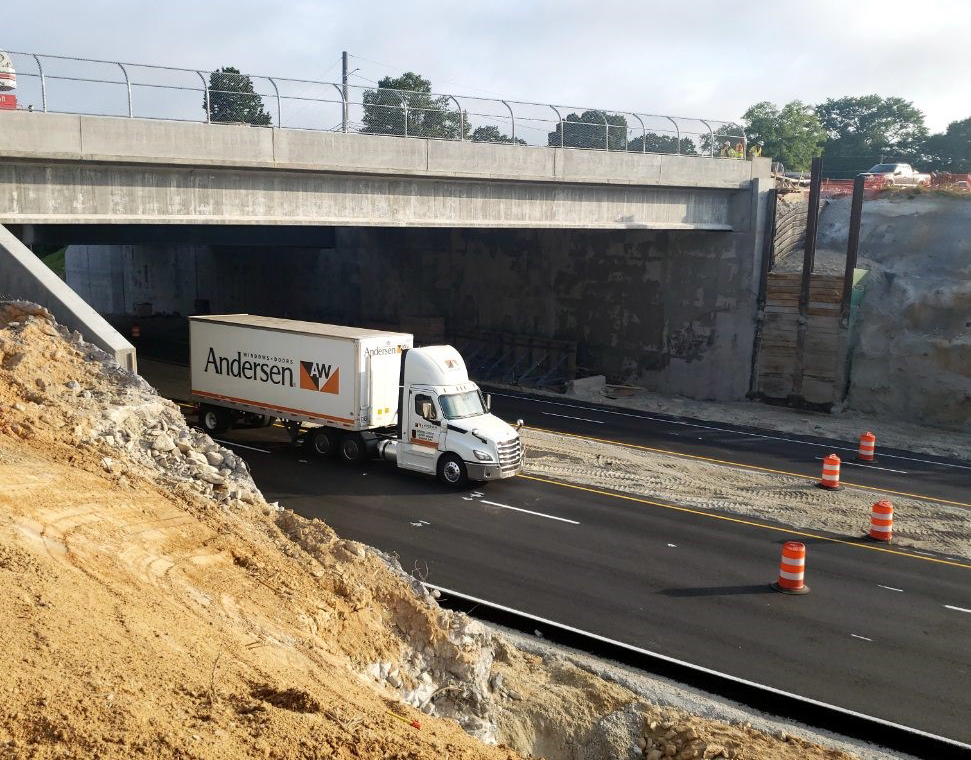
column 452, row 471
column 352, row 448
column 322, row 442
column 214, row 419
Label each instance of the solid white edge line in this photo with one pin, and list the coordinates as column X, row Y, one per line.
column 701, row 668
column 726, row 430
column 959, row 609
column 242, row 446
column 568, row 417
column 528, row 511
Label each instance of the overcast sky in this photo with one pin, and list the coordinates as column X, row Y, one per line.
column 687, row 58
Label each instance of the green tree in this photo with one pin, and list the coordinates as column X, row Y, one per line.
column 590, row 130
column 232, row 99
column 492, row 134
column 863, row 129
column 951, row 150
column 653, row 142
column 792, row 136
column 428, row 115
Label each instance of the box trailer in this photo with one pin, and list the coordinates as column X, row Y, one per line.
column 363, row 393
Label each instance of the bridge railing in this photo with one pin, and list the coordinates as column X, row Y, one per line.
column 65, row 84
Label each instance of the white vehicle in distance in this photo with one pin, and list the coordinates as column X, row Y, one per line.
column 365, row 393
column 902, row 175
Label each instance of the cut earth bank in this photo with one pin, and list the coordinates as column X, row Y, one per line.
column 152, row 603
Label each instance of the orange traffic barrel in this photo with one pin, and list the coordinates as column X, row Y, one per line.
column 831, row 473
column 881, row 521
column 868, row 445
column 792, row 569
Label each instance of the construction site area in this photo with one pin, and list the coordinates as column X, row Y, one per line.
column 318, row 443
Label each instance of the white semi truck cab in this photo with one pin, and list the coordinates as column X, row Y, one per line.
column 364, row 393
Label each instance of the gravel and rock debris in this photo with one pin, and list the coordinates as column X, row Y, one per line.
column 152, row 603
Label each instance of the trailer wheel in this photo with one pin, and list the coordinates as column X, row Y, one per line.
column 323, row 442
column 452, row 471
column 353, row 450
column 263, row 420
column 215, row 419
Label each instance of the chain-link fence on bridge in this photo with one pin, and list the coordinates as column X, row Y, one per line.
column 63, row 84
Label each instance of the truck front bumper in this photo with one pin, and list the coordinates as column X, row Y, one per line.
column 482, row 471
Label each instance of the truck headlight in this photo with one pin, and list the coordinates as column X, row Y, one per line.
column 482, row 456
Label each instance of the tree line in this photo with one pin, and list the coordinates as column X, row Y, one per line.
column 850, row 132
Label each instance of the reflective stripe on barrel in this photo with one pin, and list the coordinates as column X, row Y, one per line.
column 792, row 567
column 831, row 472
column 881, row 521
column 868, row 445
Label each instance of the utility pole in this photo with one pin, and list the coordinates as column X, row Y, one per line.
column 345, row 111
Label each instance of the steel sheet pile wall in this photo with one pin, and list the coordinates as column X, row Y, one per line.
column 816, row 374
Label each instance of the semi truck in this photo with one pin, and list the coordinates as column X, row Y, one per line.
column 350, row 393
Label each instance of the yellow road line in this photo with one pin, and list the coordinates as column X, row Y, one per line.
column 748, row 466
column 775, row 528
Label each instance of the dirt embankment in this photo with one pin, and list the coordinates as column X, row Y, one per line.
column 153, row 604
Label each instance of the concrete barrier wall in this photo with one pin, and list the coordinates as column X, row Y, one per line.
column 24, row 276
column 120, row 140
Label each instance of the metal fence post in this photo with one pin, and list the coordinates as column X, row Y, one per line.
column 711, row 144
column 512, row 119
column 279, row 109
column 677, row 135
column 559, row 117
column 128, row 85
column 205, row 86
column 643, row 134
column 43, row 83
column 461, row 116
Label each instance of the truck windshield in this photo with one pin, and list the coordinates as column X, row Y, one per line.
column 459, row 405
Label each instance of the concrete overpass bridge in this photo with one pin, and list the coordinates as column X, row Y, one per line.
column 649, row 262
column 77, row 169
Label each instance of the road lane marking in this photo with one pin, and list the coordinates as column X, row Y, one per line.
column 860, row 637
column 673, row 546
column 528, row 511
column 958, row 609
column 242, row 446
column 568, row 417
column 842, row 447
column 890, row 588
column 871, row 466
column 692, row 666
column 743, row 466
column 740, row 521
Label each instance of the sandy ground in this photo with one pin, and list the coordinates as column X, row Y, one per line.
column 788, row 500
column 666, row 693
column 153, row 604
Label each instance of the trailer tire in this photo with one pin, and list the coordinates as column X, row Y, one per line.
column 264, row 420
column 352, row 449
column 322, row 441
column 215, row 419
column 452, row 471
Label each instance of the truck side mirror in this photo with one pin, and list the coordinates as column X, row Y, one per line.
column 488, row 402
column 427, row 410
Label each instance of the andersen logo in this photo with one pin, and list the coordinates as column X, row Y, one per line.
column 316, row 376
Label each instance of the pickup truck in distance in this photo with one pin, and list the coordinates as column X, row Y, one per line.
column 902, row 175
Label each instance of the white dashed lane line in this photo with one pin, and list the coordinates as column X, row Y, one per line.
column 890, row 588
column 864, row 638
column 528, row 512
column 568, row 417
column 956, row 609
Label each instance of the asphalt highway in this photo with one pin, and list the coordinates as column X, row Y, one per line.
column 894, row 471
column 884, row 631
